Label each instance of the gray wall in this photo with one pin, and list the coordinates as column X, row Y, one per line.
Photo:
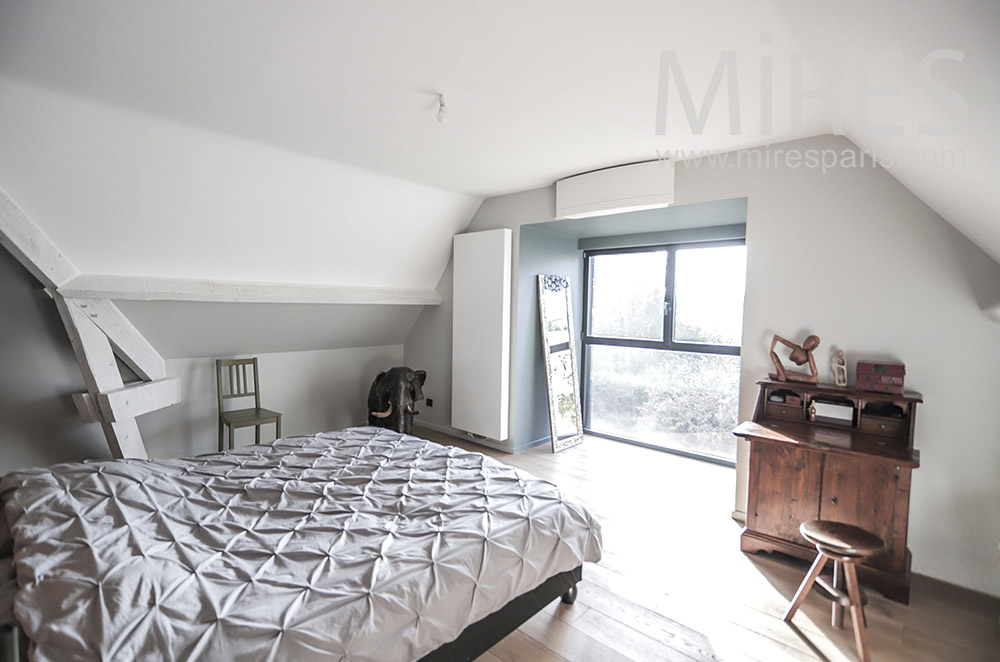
column 314, row 390
column 38, row 375
column 540, row 253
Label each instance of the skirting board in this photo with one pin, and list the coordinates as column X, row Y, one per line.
column 496, row 445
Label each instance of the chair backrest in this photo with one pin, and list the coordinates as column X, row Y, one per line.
column 237, row 378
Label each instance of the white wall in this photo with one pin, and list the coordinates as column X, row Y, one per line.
column 853, row 256
column 314, row 390
column 125, row 193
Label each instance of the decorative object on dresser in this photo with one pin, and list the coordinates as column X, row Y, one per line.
column 393, row 396
column 800, row 355
column 839, row 368
column 881, row 377
column 850, row 463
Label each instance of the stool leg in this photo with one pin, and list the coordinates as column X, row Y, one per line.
column 837, row 616
column 800, row 595
column 857, row 613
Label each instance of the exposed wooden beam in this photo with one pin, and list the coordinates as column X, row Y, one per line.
column 87, row 406
column 137, row 399
column 101, row 374
column 182, row 289
column 129, row 345
column 93, row 351
column 32, row 247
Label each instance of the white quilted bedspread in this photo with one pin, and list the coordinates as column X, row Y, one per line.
column 362, row 544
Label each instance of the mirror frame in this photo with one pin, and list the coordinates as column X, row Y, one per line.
column 556, row 284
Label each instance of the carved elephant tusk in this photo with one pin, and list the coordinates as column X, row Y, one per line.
column 410, row 410
column 383, row 414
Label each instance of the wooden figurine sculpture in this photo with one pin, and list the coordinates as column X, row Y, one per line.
column 800, row 355
column 839, row 368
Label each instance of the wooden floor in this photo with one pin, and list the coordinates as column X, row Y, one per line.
column 673, row 584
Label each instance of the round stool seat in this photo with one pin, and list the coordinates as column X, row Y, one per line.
column 841, row 539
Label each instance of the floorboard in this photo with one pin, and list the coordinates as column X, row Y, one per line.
column 674, row 586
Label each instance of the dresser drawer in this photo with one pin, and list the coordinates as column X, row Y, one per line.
column 787, row 412
column 890, row 427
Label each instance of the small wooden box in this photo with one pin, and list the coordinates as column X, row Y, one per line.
column 881, row 377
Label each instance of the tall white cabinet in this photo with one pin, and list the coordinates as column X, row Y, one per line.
column 480, row 372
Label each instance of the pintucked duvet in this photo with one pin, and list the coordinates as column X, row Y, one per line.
column 361, row 544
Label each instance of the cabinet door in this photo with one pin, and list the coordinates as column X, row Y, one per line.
column 869, row 494
column 785, row 486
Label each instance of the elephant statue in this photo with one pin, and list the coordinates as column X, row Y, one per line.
column 392, row 397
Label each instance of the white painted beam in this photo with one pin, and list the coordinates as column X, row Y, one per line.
column 137, row 399
column 101, row 374
column 93, row 351
column 182, row 289
column 87, row 407
column 124, row 439
column 32, row 247
column 129, row 345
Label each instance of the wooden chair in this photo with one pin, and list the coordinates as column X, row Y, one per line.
column 846, row 545
column 234, row 380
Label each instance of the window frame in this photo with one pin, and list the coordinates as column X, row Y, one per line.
column 667, row 343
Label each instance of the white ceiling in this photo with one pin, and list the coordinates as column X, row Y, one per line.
column 536, row 91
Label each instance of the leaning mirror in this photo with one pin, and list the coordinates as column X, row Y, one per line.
column 561, row 377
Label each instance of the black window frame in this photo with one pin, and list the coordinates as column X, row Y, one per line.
column 667, row 343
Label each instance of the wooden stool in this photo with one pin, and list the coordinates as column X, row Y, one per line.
column 846, row 545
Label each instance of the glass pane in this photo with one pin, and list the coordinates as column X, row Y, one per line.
column 681, row 400
column 627, row 293
column 562, row 394
column 709, row 284
column 554, row 308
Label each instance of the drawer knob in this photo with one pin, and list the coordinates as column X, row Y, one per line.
column 834, row 501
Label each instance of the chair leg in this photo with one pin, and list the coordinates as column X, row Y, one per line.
column 800, row 595
column 857, row 613
column 221, row 431
column 231, row 438
column 837, row 615
column 256, row 434
column 277, row 428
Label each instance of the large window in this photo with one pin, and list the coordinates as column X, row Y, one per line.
column 661, row 345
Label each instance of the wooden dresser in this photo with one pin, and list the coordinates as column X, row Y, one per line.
column 822, row 451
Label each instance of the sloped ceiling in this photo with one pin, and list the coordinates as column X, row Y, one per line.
column 144, row 136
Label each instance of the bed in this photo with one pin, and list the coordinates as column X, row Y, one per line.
column 361, row 544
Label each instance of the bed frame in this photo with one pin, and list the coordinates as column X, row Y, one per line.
column 482, row 635
column 475, row 639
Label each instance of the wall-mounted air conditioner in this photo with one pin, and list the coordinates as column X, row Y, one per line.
column 613, row 190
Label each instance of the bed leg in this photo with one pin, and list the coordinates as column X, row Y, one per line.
column 569, row 597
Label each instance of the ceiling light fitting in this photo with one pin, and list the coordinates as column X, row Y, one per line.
column 442, row 110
